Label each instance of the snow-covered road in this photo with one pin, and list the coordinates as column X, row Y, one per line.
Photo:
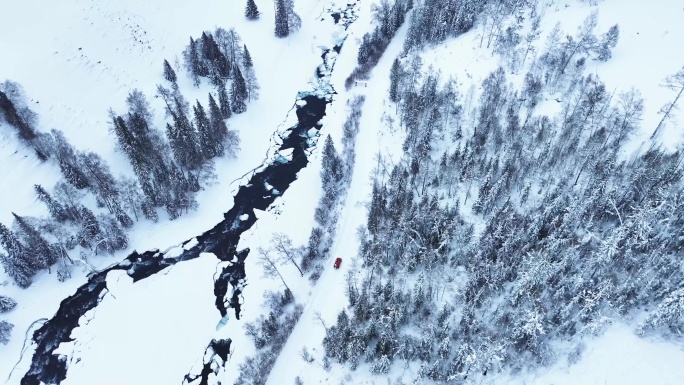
column 329, row 295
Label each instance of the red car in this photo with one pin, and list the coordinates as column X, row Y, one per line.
column 338, row 261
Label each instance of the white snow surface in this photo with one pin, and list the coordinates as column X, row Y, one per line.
column 149, row 331
column 155, row 330
column 616, row 357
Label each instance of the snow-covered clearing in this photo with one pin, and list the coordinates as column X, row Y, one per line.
column 147, row 331
column 642, row 58
column 616, row 357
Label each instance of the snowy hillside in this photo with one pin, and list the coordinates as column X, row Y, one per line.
column 503, row 210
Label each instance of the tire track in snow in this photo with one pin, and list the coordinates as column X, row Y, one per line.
column 329, row 296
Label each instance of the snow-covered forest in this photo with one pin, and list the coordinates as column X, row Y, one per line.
column 501, row 179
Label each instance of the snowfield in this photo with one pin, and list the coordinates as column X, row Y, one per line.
column 77, row 58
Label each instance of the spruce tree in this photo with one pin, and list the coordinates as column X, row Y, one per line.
column 90, row 229
column 331, row 171
column 224, row 104
column 9, row 111
column 18, row 262
column 219, row 130
column 395, row 77
column 169, row 73
column 6, row 304
column 41, row 250
column 193, row 63
column 251, row 11
column 246, row 57
column 55, row 208
column 281, row 25
column 20, row 270
column 206, row 139
column 5, row 332
column 68, row 163
column 238, row 93
column 112, row 236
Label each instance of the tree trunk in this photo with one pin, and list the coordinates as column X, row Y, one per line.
column 667, row 113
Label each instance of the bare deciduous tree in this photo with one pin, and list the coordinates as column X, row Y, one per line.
column 270, row 265
column 676, row 83
column 282, row 244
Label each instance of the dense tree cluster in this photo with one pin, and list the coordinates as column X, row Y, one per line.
column 269, row 335
column 524, row 229
column 15, row 112
column 335, row 177
column 388, row 17
column 169, row 169
column 223, row 58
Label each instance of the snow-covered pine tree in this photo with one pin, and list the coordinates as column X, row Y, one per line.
column 207, row 142
column 246, row 57
column 112, row 236
column 169, row 73
column 68, row 162
column 238, row 93
column 6, row 304
column 331, row 173
column 10, row 114
column 282, row 28
column 251, row 10
column 55, row 208
column 5, row 332
column 395, row 78
column 19, row 263
column 89, row 231
column 250, row 75
column 41, row 250
column 217, row 127
column 193, row 62
column 224, row 103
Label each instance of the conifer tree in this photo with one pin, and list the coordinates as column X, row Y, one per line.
column 112, row 236
column 193, row 63
column 281, row 25
column 90, row 229
column 6, row 304
column 251, row 11
column 395, row 77
column 18, row 262
column 55, row 208
column 246, row 57
column 206, row 139
column 68, row 163
column 5, row 332
column 41, row 250
column 218, row 127
column 224, row 103
column 169, row 73
column 238, row 93
column 18, row 269
column 9, row 112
